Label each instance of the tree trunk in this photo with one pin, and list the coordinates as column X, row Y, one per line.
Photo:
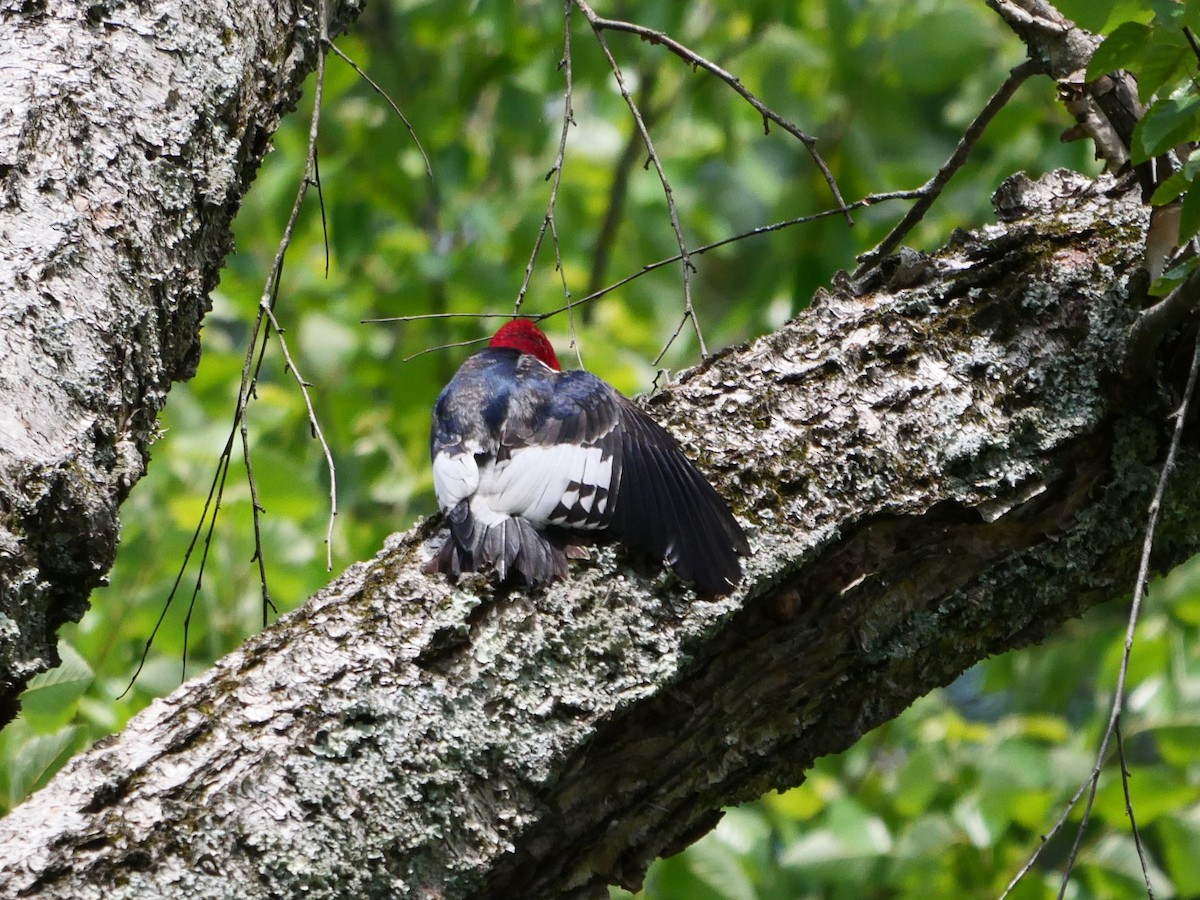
column 939, row 463
column 130, row 134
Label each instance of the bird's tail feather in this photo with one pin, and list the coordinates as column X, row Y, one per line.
column 510, row 545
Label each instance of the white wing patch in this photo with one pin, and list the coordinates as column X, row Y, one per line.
column 535, row 481
column 455, row 477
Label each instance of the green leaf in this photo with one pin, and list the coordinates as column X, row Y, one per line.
column 1177, row 744
column 1167, row 123
column 1175, row 185
column 720, row 869
column 801, row 803
column 49, row 702
column 1122, row 49
column 1155, row 791
column 852, row 834
column 1102, row 16
column 1167, row 58
column 1180, row 837
column 1189, row 221
column 1170, row 280
column 30, row 759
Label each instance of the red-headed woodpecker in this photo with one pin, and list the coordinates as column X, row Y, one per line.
column 527, row 457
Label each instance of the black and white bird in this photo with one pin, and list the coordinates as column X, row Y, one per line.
column 528, row 459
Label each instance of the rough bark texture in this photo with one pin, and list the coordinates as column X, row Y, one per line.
column 939, row 465
column 128, row 134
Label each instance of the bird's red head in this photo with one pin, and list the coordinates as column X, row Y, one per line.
column 523, row 335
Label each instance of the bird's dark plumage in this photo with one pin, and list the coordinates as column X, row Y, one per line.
column 526, row 459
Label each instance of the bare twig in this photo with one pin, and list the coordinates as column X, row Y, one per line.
column 869, row 200
column 932, row 189
column 1139, row 588
column 606, row 235
column 317, row 433
column 1137, row 835
column 417, row 317
column 212, row 498
column 259, row 558
column 598, row 26
column 555, row 177
column 695, row 60
column 390, row 102
column 471, row 343
column 247, row 389
column 270, row 294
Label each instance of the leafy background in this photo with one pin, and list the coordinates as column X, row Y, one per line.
column 949, row 799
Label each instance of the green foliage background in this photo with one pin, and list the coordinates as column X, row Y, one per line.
column 949, row 799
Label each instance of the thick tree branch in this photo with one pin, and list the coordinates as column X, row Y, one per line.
column 937, row 466
column 130, row 133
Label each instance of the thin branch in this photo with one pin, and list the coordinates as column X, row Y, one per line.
column 214, row 495
column 417, row 317
column 390, row 102
column 259, row 557
column 1137, row 835
column 869, row 200
column 932, row 189
column 1033, row 16
column 695, row 60
column 317, row 433
column 568, row 120
column 1139, row 589
column 472, row 342
column 247, row 390
column 196, row 587
column 316, row 180
column 598, row 27
column 270, row 295
column 555, row 177
column 606, row 235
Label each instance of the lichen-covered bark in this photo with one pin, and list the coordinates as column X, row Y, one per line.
column 938, row 465
column 128, row 134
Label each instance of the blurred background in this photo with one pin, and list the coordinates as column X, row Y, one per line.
column 946, row 801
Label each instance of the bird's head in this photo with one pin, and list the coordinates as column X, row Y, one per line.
column 523, row 335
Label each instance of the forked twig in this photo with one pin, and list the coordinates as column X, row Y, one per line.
column 315, row 429
column 869, row 200
column 247, row 390
column 695, row 60
column 554, row 176
column 688, row 311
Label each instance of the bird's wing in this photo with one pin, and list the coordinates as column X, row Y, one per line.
column 559, row 452
column 665, row 505
column 574, row 452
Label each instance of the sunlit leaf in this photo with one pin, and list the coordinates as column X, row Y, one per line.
column 1189, row 220
column 1122, row 49
column 48, row 703
column 1167, row 123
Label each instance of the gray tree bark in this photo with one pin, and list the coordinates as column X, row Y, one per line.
column 128, row 134
column 939, row 463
